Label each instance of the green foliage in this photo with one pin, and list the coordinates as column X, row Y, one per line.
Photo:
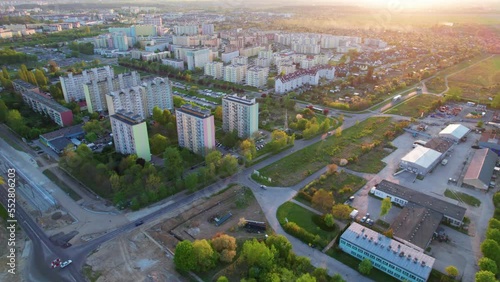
column 496, row 101
column 222, row 279
column 293, row 229
column 281, row 244
column 485, row 276
column 329, row 220
column 306, row 277
column 225, row 245
column 9, row 56
column 488, row 265
column 322, row 200
column 491, row 249
column 93, row 126
column 184, row 259
column 158, row 144
column 84, row 48
column 365, row 267
column 493, row 234
column 173, row 163
column 385, row 206
column 3, row 111
column 91, row 137
column 341, row 211
column 257, row 254
column 205, row 256
column 451, row 271
column 191, row 182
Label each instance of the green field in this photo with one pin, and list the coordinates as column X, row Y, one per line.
column 436, row 84
column 341, row 184
column 466, row 198
column 351, row 145
column 414, row 107
column 305, row 219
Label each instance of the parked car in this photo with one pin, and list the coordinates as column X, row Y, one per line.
column 367, row 215
column 66, row 263
column 263, row 187
column 140, row 222
column 363, row 219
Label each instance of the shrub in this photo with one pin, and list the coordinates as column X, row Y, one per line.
column 293, row 229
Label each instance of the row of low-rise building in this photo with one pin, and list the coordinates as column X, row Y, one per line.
column 289, row 82
column 255, row 76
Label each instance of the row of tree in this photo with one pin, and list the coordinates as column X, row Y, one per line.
column 9, row 56
column 490, row 247
column 84, row 48
column 268, row 260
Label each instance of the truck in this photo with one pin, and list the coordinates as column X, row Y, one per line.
column 353, row 214
column 396, row 98
column 444, row 161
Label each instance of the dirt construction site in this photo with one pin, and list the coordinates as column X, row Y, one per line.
column 145, row 254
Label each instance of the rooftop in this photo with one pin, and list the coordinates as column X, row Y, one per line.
column 390, row 250
column 46, row 101
column 194, row 111
column 439, row 144
column 490, row 137
column 24, row 84
column 481, row 165
column 410, row 195
column 416, row 224
column 457, row 130
column 60, row 143
column 422, row 156
column 128, row 118
column 241, row 100
column 64, row 132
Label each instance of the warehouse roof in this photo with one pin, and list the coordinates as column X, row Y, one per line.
column 456, row 130
column 422, row 156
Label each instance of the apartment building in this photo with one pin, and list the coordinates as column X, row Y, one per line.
column 186, row 29
column 240, row 114
column 195, row 129
column 176, row 63
column 263, row 62
column 214, row 69
column 130, row 135
column 152, row 20
column 385, row 254
column 130, row 100
column 240, row 60
column 96, row 90
column 266, row 54
column 235, row 73
column 289, row 82
column 226, row 57
column 197, row 58
column 306, row 48
column 285, row 69
column 207, row 29
column 44, row 105
column 158, row 94
column 72, row 85
column 257, row 76
column 21, row 86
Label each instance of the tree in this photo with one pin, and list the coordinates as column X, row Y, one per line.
column 480, row 124
column 41, row 80
column 53, row 67
column 191, row 182
column 454, row 93
column 493, row 234
column 93, row 126
column 205, row 257
column 312, row 130
column 218, row 113
column 321, row 275
column 385, row 206
column 228, row 165
column 490, row 249
column 3, row 111
column 91, row 137
column 14, row 119
column 258, row 254
column 494, row 223
column 331, row 169
column 341, row 211
column 222, row 279
column 452, row 271
column 158, row 144
column 5, row 73
column 365, row 267
column 488, row 265
column 174, row 165
column 338, row 131
column 158, row 116
column 225, row 245
column 212, row 160
column 184, row 259
column 279, row 140
column 496, row 101
column 248, row 149
column 322, row 200
column 325, row 126
column 485, row 276
column 329, row 220
column 281, row 244
column 306, row 277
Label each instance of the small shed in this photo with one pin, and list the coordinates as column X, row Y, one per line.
column 454, row 132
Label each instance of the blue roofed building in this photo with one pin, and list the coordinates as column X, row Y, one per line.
column 385, row 254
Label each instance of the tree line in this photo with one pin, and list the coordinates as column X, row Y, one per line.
column 9, row 56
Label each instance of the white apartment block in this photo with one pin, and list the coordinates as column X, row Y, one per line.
column 130, row 100
column 250, row 51
column 240, row 114
column 227, row 57
column 158, row 94
column 257, row 76
column 152, row 20
column 198, row 58
column 176, row 63
column 263, row 62
column 235, row 73
column 289, row 82
column 130, row 135
column 286, row 69
column 207, row 29
column 72, row 85
column 96, row 90
column 195, row 129
column 186, row 29
column 266, row 54
column 214, row 69
column 306, row 48
column 240, row 60
column 308, row 63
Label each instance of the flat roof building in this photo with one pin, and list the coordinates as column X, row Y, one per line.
column 130, row 135
column 481, row 169
column 402, row 195
column 420, row 160
column 491, row 140
column 385, row 254
column 23, row 86
column 195, row 129
column 45, row 106
column 454, row 132
column 59, row 139
column 240, row 114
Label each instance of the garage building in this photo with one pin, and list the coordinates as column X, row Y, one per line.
column 480, row 169
column 420, row 160
column 454, row 132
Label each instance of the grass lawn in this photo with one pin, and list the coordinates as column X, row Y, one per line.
column 371, row 162
column 305, row 219
column 341, row 184
column 466, row 198
column 62, row 185
column 436, row 84
column 414, row 107
column 351, row 145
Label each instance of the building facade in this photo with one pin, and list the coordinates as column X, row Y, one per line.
column 214, row 69
column 176, row 63
column 197, row 58
column 385, row 254
column 235, row 73
column 72, row 85
column 46, row 106
column 257, row 76
column 130, row 135
column 240, row 114
column 289, row 82
column 158, row 94
column 130, row 100
column 195, row 129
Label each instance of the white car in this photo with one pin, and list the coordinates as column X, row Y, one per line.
column 66, row 263
column 363, row 219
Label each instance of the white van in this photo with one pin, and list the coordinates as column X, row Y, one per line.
column 419, row 143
